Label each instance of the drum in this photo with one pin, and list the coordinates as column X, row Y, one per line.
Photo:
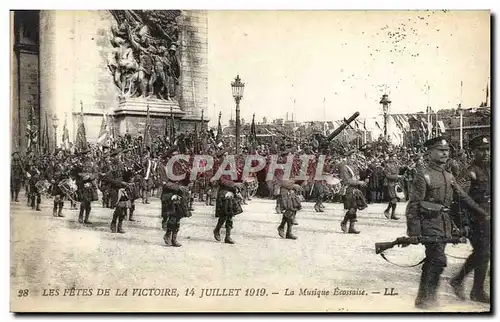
column 400, row 193
column 68, row 187
column 334, row 183
column 42, row 186
column 252, row 186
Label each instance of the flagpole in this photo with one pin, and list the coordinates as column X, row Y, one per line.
column 429, row 134
column 461, row 111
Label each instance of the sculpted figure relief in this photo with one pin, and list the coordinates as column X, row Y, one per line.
column 140, row 62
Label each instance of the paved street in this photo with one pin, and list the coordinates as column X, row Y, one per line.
column 60, row 253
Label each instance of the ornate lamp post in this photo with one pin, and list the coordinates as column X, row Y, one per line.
column 55, row 124
column 385, row 108
column 237, row 86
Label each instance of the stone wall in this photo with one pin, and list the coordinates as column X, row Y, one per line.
column 194, row 64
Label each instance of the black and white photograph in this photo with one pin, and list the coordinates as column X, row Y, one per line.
column 250, row 161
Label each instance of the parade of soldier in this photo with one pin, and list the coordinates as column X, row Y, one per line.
column 418, row 177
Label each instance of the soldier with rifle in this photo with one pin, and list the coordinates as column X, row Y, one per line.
column 480, row 192
column 437, row 186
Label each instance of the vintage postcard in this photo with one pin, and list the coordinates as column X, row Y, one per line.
column 250, row 161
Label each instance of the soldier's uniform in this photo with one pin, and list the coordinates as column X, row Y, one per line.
column 16, row 176
column 84, row 174
column 391, row 173
column 227, row 206
column 480, row 236
column 119, row 192
column 290, row 200
column 147, row 178
column 174, row 203
column 59, row 175
column 34, row 196
column 353, row 197
column 434, row 184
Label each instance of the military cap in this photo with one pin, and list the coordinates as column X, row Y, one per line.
column 439, row 142
column 480, row 142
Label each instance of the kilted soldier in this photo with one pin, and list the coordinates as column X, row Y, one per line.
column 391, row 173
column 290, row 199
column 480, row 236
column 85, row 177
column 434, row 184
column 16, row 176
column 119, row 191
column 104, row 168
column 353, row 197
column 34, row 197
column 227, row 205
column 175, row 199
column 59, row 175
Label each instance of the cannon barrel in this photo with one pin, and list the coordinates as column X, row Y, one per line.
column 342, row 127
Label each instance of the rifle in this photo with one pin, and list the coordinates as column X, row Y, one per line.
column 415, row 240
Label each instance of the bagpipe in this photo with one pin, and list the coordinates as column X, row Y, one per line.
column 68, row 187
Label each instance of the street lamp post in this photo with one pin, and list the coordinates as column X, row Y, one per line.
column 55, row 124
column 385, row 108
column 237, row 86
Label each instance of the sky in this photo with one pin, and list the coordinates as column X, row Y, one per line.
column 325, row 65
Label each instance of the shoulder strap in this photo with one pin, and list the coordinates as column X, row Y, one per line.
column 383, row 256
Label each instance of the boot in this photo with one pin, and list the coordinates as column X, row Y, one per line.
column 281, row 228
column 87, row 214
column 294, row 220
column 16, row 193
column 317, row 208
column 343, row 224
column 228, row 239
column 120, row 225
column 175, row 243
column 423, row 298
column 457, row 281
column 478, row 294
column 80, row 215
column 131, row 214
column 393, row 214
column 386, row 213
column 168, row 237
column 352, row 229
column 54, row 210
column 434, row 284
column 59, row 212
column 289, row 234
column 113, row 222
column 38, row 207
column 217, row 229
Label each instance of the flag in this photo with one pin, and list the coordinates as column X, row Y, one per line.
column 376, row 123
column 442, row 128
column 253, row 133
column 218, row 137
column 103, row 132
column 81, row 136
column 65, row 134
column 364, row 124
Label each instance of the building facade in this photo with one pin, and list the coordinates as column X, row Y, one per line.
column 124, row 64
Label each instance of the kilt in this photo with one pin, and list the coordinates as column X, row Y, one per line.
column 391, row 190
column 227, row 207
column 354, row 198
column 174, row 208
column 147, row 184
column 290, row 201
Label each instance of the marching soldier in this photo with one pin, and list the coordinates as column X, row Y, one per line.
column 34, row 196
column 434, row 184
column 59, row 175
column 290, row 201
column 227, row 206
column 353, row 198
column 480, row 192
column 85, row 176
column 391, row 173
column 16, row 176
column 174, row 203
column 119, row 192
